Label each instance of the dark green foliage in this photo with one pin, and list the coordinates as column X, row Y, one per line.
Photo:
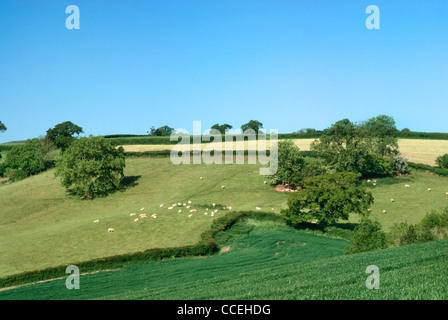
column 367, row 236
column 434, row 226
column 442, row 161
column 327, row 198
column 254, row 125
column 91, row 166
column 368, row 148
column 62, row 135
column 28, row 157
column 2, row 127
column 290, row 164
column 223, row 128
column 162, row 131
column 15, row 175
column 421, row 166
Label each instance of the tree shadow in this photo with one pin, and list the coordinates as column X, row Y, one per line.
column 346, row 226
column 129, row 182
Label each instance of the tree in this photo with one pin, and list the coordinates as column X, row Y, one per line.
column 222, row 128
column 290, row 164
column 91, row 166
column 327, row 198
column 442, row 161
column 367, row 236
column 369, row 148
column 162, row 131
column 2, row 127
column 28, row 157
column 252, row 124
column 63, row 134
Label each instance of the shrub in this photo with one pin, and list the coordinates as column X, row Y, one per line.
column 29, row 157
column 15, row 175
column 401, row 164
column 442, row 161
column 367, row 236
column 91, row 166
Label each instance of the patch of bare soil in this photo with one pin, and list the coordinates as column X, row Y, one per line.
column 283, row 188
column 225, row 249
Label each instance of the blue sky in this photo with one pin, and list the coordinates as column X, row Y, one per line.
column 289, row 64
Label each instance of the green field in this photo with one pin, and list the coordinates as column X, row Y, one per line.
column 42, row 226
column 272, row 261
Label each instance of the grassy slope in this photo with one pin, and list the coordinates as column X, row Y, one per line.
column 268, row 263
column 42, row 226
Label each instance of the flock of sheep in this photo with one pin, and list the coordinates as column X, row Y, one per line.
column 180, row 207
column 187, row 207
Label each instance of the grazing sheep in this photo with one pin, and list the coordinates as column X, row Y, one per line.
column 110, row 230
column 368, row 180
column 258, row 208
column 161, row 205
column 407, row 186
column 212, row 214
column 179, row 204
column 374, row 184
column 143, row 215
column 384, row 211
column 265, row 182
column 369, row 209
column 213, row 204
column 188, row 207
column 132, row 214
column 96, row 221
column 190, row 215
column 136, row 219
column 222, row 187
column 429, row 189
column 206, row 213
column 272, row 209
column 446, row 193
column 180, row 211
column 200, row 178
column 142, row 209
column 392, row 200
column 170, row 208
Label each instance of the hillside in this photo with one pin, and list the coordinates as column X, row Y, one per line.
column 271, row 262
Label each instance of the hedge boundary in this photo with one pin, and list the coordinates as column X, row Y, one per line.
column 205, row 247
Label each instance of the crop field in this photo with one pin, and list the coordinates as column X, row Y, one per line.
column 415, row 150
column 270, row 261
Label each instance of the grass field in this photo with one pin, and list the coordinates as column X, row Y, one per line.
column 42, row 226
column 270, row 262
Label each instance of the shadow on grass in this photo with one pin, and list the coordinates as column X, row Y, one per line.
column 129, row 182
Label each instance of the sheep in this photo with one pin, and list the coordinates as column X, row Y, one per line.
column 407, row 186
column 212, row 214
column 446, row 193
column 213, row 204
column 392, row 200
column 96, row 221
column 206, row 213
column 136, row 219
column 190, row 215
column 200, row 178
column 110, row 230
column 179, row 204
column 161, row 205
column 188, row 207
column 222, row 187
column 189, row 202
column 384, row 211
column 429, row 189
column 170, row 208
column 180, row 211
column 258, row 208
column 132, row 214
column 142, row 209
column 369, row 209
column 143, row 215
column 265, row 182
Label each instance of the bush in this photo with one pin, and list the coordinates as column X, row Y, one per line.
column 28, row 157
column 91, row 166
column 15, row 175
column 401, row 164
column 367, row 236
column 442, row 161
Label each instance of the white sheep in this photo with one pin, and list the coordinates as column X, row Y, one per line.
column 384, row 211
column 110, row 230
column 407, row 186
column 429, row 189
column 392, row 200
column 96, row 221
column 258, row 208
